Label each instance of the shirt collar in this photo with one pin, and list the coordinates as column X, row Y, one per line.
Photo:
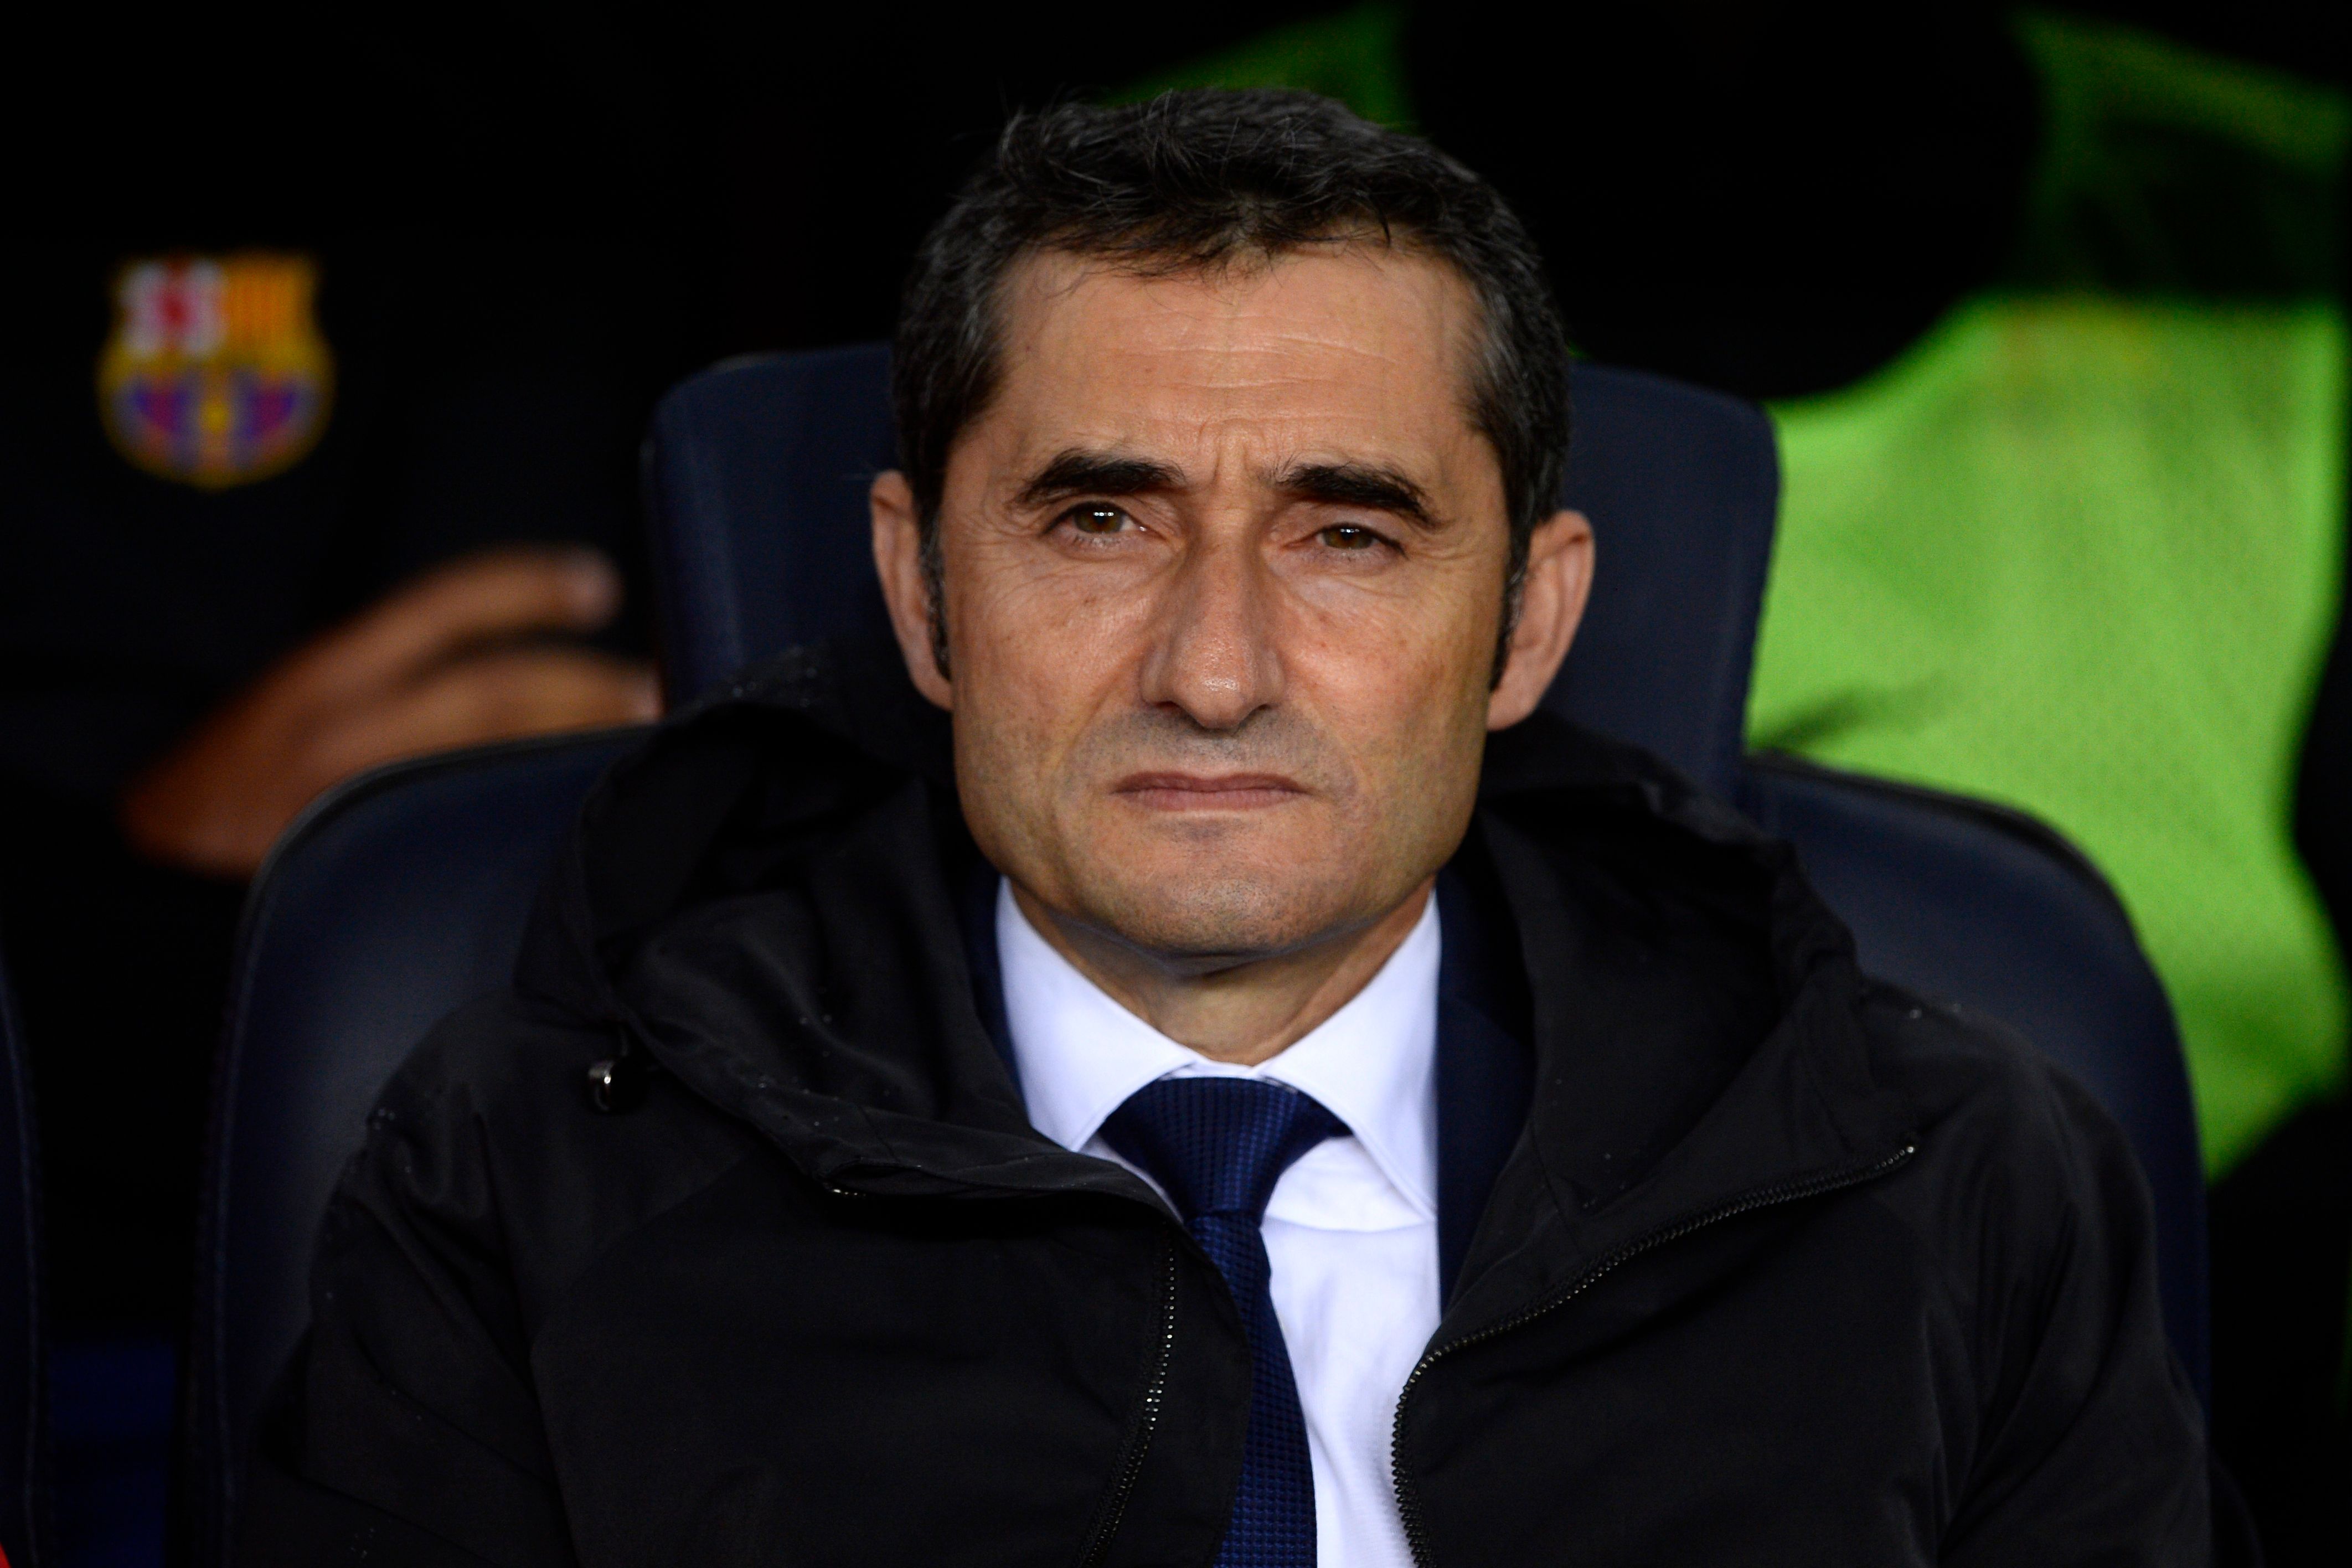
column 1372, row 1064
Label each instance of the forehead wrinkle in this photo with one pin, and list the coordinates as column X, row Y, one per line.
column 1222, row 306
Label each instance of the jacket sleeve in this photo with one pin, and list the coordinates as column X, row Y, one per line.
column 406, row 1430
column 2091, row 1447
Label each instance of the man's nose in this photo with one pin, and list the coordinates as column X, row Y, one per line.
column 1213, row 654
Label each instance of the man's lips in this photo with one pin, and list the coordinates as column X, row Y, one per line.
column 1203, row 791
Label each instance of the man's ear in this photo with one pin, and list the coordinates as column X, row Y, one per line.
column 899, row 561
column 1551, row 603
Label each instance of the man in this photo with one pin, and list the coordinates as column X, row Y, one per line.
column 1241, row 1088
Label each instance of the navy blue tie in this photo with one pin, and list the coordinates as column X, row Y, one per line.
column 1216, row 1146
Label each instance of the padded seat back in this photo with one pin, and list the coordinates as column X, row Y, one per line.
column 395, row 899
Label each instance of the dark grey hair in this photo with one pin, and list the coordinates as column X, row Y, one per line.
column 1199, row 180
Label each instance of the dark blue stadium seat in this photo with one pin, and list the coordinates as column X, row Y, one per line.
column 404, row 895
column 396, row 899
column 24, row 1492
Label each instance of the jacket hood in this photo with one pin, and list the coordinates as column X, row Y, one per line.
column 766, row 899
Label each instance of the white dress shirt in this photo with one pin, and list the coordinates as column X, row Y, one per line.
column 1352, row 1230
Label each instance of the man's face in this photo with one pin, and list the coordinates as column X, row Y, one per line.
column 1224, row 575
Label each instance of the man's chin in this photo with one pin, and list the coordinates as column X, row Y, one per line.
column 1216, row 915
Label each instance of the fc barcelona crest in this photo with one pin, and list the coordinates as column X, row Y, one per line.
column 215, row 373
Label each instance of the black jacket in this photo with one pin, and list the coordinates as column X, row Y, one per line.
column 1786, row 1267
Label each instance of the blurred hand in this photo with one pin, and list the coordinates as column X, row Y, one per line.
column 432, row 666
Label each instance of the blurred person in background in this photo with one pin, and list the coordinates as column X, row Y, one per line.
column 2048, row 309
column 299, row 479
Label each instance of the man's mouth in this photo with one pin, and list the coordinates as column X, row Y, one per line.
column 1209, row 792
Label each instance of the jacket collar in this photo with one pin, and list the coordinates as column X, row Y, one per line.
column 1695, row 1015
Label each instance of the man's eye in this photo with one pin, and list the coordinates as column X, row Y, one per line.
column 1348, row 536
column 1096, row 518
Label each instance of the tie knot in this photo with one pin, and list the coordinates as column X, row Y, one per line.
column 1217, row 1145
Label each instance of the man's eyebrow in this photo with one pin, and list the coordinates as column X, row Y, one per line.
column 1366, row 485
column 1079, row 472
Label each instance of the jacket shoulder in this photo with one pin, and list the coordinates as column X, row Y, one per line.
column 1976, row 1086
column 2030, row 1214
column 488, row 1134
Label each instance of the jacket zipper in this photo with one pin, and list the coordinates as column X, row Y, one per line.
column 1147, row 1421
column 1409, row 1497
column 1155, row 1393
